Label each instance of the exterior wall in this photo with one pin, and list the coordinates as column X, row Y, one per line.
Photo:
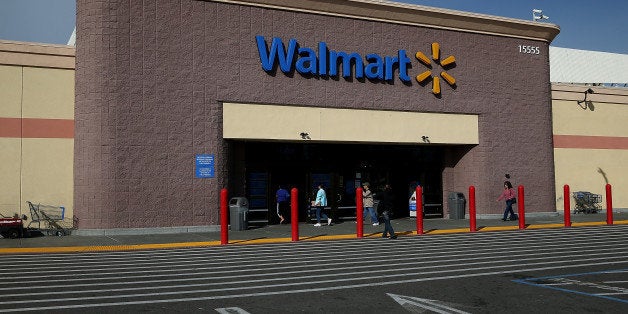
column 36, row 126
column 151, row 79
column 591, row 141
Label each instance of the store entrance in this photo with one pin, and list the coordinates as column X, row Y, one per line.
column 341, row 168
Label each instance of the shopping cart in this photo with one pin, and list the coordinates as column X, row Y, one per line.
column 587, row 202
column 49, row 219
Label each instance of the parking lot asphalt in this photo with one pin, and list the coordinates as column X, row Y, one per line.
column 283, row 233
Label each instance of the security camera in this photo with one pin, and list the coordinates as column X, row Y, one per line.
column 589, row 91
column 540, row 15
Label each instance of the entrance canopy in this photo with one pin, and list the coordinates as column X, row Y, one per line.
column 291, row 123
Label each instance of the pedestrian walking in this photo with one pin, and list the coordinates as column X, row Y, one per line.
column 509, row 195
column 320, row 203
column 367, row 201
column 385, row 209
column 282, row 198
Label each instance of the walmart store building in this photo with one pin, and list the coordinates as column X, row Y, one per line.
column 175, row 100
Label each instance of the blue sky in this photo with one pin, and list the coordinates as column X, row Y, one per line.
column 600, row 25
column 43, row 21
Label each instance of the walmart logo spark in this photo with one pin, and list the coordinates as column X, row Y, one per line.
column 445, row 64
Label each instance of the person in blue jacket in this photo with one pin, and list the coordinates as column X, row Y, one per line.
column 320, row 203
column 282, row 198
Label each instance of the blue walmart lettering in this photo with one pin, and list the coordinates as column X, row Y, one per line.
column 326, row 62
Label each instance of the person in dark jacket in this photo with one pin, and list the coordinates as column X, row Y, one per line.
column 385, row 210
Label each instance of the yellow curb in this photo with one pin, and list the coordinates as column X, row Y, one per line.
column 500, row 228
column 545, row 226
column 331, row 237
column 447, row 231
column 105, row 248
column 588, row 224
column 132, row 247
column 260, row 241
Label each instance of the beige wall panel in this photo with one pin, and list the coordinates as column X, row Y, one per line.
column 600, row 120
column 10, row 91
column 48, row 93
column 10, row 176
column 588, row 170
column 269, row 122
column 47, row 172
column 398, row 127
column 247, row 121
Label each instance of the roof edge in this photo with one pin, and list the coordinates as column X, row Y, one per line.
column 37, row 48
column 601, row 94
column 411, row 14
column 37, row 55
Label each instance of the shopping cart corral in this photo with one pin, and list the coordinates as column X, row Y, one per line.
column 587, row 202
column 49, row 220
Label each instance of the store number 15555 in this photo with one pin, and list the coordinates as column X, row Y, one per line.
column 529, row 49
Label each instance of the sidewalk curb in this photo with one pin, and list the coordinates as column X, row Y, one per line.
column 156, row 246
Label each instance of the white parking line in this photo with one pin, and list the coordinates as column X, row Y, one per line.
column 431, row 305
column 231, row 310
column 283, row 292
column 565, row 283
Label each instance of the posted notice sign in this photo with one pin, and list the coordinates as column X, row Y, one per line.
column 205, row 165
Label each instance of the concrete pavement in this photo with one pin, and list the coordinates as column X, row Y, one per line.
column 282, row 233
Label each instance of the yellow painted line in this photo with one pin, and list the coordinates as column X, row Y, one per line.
column 447, row 231
column 331, row 237
column 588, row 224
column 546, row 226
column 499, row 228
column 132, row 247
column 260, row 241
column 106, row 248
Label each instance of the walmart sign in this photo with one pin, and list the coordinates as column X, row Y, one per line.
column 326, row 62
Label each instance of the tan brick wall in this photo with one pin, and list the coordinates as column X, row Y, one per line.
column 594, row 146
column 37, row 98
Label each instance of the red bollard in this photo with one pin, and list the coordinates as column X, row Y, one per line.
column 224, row 220
column 419, row 210
column 294, row 213
column 359, row 213
column 567, row 205
column 472, row 226
column 521, row 208
column 609, row 205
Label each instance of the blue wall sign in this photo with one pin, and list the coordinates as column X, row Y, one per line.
column 325, row 62
column 205, row 166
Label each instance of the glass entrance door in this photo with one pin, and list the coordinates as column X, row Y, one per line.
column 341, row 168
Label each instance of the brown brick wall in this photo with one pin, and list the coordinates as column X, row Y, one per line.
column 151, row 76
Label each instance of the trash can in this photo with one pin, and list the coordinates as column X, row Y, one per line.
column 457, row 202
column 238, row 212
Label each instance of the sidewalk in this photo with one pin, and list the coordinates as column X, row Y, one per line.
column 282, row 233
